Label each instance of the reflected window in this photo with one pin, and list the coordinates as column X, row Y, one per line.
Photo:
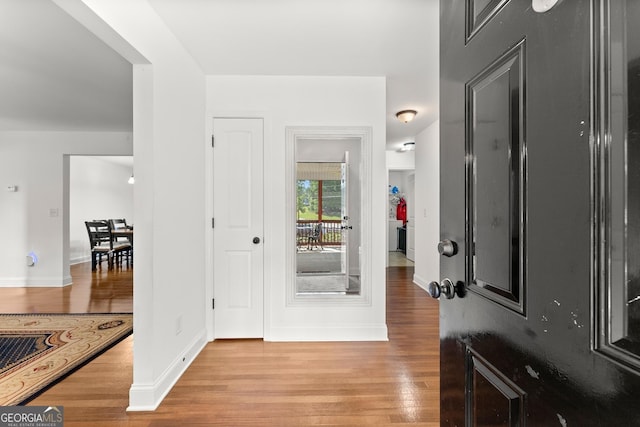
column 319, row 200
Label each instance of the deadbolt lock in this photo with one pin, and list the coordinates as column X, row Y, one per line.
column 447, row 248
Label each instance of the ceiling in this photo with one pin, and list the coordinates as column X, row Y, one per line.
column 55, row 75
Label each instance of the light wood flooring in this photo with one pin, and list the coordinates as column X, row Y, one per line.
column 100, row 291
column 398, row 259
column 256, row 383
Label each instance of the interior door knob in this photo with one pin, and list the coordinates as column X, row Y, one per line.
column 446, row 288
column 447, row 248
column 256, row 240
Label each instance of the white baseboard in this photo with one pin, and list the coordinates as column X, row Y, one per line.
column 421, row 282
column 324, row 333
column 79, row 260
column 35, row 282
column 147, row 397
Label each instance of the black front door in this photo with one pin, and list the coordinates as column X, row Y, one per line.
column 540, row 213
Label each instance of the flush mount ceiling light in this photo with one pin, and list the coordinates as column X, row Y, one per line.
column 406, row 116
column 408, row 146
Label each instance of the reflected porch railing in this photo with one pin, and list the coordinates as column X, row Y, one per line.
column 331, row 234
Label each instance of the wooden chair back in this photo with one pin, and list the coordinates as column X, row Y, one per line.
column 118, row 223
column 99, row 234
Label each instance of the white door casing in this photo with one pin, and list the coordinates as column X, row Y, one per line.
column 238, row 250
column 411, row 217
column 344, row 212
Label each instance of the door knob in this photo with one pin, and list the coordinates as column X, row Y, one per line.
column 447, row 248
column 434, row 290
column 446, row 288
column 256, row 240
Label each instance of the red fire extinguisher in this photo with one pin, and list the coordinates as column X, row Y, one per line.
column 401, row 210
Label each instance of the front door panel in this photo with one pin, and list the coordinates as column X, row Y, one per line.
column 520, row 168
column 493, row 400
column 495, row 154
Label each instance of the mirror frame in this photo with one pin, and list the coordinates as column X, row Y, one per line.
column 293, row 135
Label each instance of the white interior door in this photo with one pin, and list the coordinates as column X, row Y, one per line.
column 238, row 230
column 344, row 213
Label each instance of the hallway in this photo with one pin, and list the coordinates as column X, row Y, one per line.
column 251, row 382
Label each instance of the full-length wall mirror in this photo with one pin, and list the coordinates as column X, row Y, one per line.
column 326, row 216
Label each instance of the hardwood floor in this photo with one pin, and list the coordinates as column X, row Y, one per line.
column 100, row 291
column 251, row 382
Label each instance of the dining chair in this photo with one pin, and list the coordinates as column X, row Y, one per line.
column 102, row 242
column 99, row 242
column 316, row 236
column 119, row 223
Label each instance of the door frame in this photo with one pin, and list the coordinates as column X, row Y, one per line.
column 411, row 220
column 396, row 168
column 208, row 229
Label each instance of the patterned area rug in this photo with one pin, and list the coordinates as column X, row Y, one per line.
column 37, row 350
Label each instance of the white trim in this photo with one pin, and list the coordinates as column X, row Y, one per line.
column 80, row 260
column 31, row 282
column 372, row 332
column 424, row 284
column 208, row 231
column 293, row 133
column 209, row 272
column 147, row 397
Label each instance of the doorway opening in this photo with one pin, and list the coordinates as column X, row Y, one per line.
column 401, row 218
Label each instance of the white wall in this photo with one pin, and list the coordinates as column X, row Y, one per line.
column 98, row 190
column 427, row 213
column 401, row 160
column 36, row 217
column 400, row 179
column 169, row 195
column 310, row 101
